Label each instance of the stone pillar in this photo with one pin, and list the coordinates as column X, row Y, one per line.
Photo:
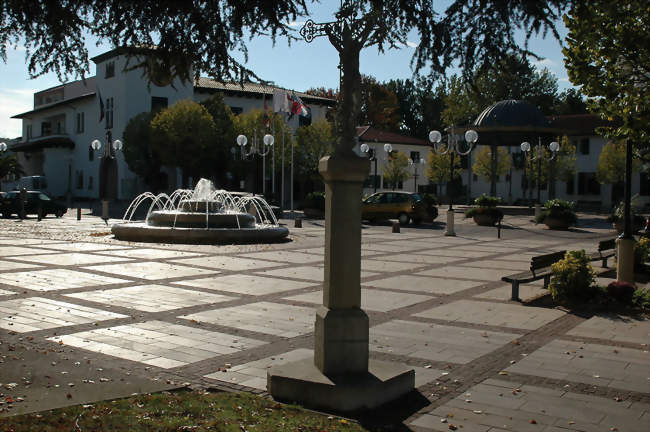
column 450, row 224
column 341, row 333
column 341, row 376
column 625, row 260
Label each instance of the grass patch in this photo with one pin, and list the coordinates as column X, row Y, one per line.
column 180, row 411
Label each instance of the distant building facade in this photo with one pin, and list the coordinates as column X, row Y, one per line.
column 57, row 132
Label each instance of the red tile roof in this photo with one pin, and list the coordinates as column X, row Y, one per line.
column 372, row 134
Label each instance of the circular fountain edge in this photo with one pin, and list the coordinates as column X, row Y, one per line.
column 140, row 232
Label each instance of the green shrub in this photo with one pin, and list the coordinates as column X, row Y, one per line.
column 572, row 280
column 559, row 209
column 314, row 200
column 641, row 299
column 641, row 252
column 487, row 201
column 493, row 211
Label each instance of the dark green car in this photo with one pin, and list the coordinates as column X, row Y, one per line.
column 10, row 204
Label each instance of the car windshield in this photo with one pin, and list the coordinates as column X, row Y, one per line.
column 416, row 197
column 43, row 197
column 372, row 199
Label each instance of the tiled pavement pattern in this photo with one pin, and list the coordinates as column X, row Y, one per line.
column 221, row 315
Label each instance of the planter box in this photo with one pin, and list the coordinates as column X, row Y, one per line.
column 556, row 223
column 485, row 219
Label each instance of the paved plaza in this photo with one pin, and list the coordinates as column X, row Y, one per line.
column 85, row 317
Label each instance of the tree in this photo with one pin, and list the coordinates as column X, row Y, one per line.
column 139, row 154
column 396, row 169
column 439, row 167
column 546, row 170
column 460, row 105
column 183, row 135
column 224, row 138
column 379, row 106
column 613, row 65
column 489, row 164
column 9, row 165
column 189, row 36
column 312, row 143
column 611, row 167
column 420, row 104
column 570, row 101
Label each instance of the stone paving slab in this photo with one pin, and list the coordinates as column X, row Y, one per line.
column 312, row 273
column 158, row 343
column 420, row 259
column 227, row 263
column 287, row 257
column 371, row 299
column 605, row 366
column 429, row 285
column 435, row 342
column 466, row 272
column 55, row 279
column 617, row 328
column 37, row 313
column 10, row 251
column 454, row 253
column 253, row 374
column 85, row 247
column 151, row 253
column 495, row 405
column 245, row 284
column 70, row 259
column 6, row 292
column 11, row 265
column 494, row 314
column 151, row 270
column 263, row 317
column 526, row 292
column 151, row 298
column 387, row 266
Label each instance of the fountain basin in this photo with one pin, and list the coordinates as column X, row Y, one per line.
column 182, row 219
column 141, row 232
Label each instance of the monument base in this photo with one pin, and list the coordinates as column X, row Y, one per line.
column 303, row 383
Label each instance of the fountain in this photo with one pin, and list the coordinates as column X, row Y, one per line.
column 203, row 215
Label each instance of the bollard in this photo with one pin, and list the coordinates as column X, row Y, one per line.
column 105, row 210
column 78, row 213
column 298, row 223
column 499, row 229
column 40, row 213
column 396, row 227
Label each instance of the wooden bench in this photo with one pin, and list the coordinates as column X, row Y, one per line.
column 606, row 250
column 540, row 267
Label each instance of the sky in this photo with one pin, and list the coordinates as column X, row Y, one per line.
column 299, row 66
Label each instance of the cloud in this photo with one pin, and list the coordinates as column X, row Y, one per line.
column 411, row 44
column 296, row 23
column 12, row 102
column 546, row 62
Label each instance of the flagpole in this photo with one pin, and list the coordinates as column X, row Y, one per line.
column 292, row 141
column 273, row 160
column 284, row 132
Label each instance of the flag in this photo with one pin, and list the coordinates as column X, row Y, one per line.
column 280, row 101
column 101, row 105
column 298, row 106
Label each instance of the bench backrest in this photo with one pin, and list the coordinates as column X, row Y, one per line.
column 542, row 261
column 606, row 245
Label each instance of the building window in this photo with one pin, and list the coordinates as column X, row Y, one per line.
column 644, row 186
column 587, row 184
column 415, row 156
column 90, row 182
column 236, row 110
column 474, row 177
column 372, row 182
column 570, row 186
column 584, row 146
column 110, row 69
column 80, row 122
column 158, row 103
column 28, row 131
column 80, row 179
column 46, row 128
column 109, row 113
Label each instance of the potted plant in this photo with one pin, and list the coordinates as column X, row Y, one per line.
column 617, row 215
column 558, row 214
column 314, row 205
column 485, row 212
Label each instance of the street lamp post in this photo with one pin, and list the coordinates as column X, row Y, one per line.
column 372, row 153
column 242, row 141
column 554, row 147
column 104, row 181
column 415, row 164
column 452, row 148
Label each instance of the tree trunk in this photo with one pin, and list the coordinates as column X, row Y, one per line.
column 493, row 170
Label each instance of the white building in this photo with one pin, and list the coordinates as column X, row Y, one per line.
column 65, row 119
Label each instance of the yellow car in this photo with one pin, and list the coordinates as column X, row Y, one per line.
column 403, row 206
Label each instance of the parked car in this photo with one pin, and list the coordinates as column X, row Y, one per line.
column 403, row 206
column 10, row 204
